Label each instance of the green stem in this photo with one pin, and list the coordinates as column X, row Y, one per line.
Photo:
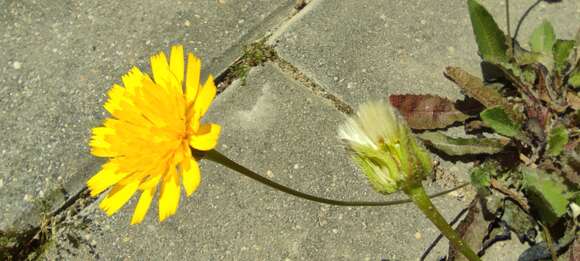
column 421, row 199
column 549, row 242
column 219, row 158
column 509, row 33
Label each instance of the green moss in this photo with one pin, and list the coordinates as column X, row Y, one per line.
column 254, row 54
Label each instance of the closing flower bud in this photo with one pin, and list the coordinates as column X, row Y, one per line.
column 384, row 147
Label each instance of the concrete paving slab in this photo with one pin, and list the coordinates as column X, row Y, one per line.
column 278, row 128
column 362, row 50
column 58, row 59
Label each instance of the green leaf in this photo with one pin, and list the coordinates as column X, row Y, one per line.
column 542, row 39
column 491, row 41
column 562, row 50
column 556, row 140
column 497, row 119
column 577, row 39
column 574, row 80
column 525, row 57
column 529, row 75
column 548, row 196
column 517, row 219
column 462, row 146
column 480, row 176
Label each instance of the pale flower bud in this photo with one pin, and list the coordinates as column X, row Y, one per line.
column 384, row 147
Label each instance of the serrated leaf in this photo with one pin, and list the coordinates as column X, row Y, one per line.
column 517, row 219
column 574, row 79
column 548, row 196
column 491, row 41
column 462, row 146
column 497, row 119
column 562, row 50
column 557, row 138
column 543, row 37
column 427, row 111
column 474, row 87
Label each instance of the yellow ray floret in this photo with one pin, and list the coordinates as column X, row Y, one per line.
column 153, row 124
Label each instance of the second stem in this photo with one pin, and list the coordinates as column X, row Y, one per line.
column 417, row 193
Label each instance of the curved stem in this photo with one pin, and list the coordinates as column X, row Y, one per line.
column 422, row 201
column 521, row 20
column 217, row 157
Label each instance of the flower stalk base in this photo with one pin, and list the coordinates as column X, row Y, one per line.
column 417, row 193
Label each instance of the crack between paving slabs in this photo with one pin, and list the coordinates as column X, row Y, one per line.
column 31, row 242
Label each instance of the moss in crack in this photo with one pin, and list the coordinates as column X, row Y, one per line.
column 22, row 245
column 29, row 244
column 254, row 54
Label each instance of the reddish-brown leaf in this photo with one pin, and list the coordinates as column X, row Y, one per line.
column 424, row 112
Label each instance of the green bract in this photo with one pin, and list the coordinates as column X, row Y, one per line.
column 384, row 147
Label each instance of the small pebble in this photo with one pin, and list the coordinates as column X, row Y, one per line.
column 269, row 174
column 296, row 166
column 187, row 23
column 418, row 236
column 17, row 65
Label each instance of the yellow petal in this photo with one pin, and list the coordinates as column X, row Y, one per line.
column 191, row 177
column 132, row 80
column 160, row 68
column 205, row 96
column 192, row 80
column 119, row 195
column 143, row 205
column 176, row 62
column 195, row 122
column 169, row 198
column 150, row 182
column 106, row 177
column 100, row 147
column 206, row 138
column 116, row 94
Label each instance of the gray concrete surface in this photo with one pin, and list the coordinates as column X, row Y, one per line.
column 58, row 59
column 275, row 127
column 364, row 50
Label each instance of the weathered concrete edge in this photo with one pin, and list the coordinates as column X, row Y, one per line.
column 56, row 199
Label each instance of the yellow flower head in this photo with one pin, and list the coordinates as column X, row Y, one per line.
column 147, row 140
